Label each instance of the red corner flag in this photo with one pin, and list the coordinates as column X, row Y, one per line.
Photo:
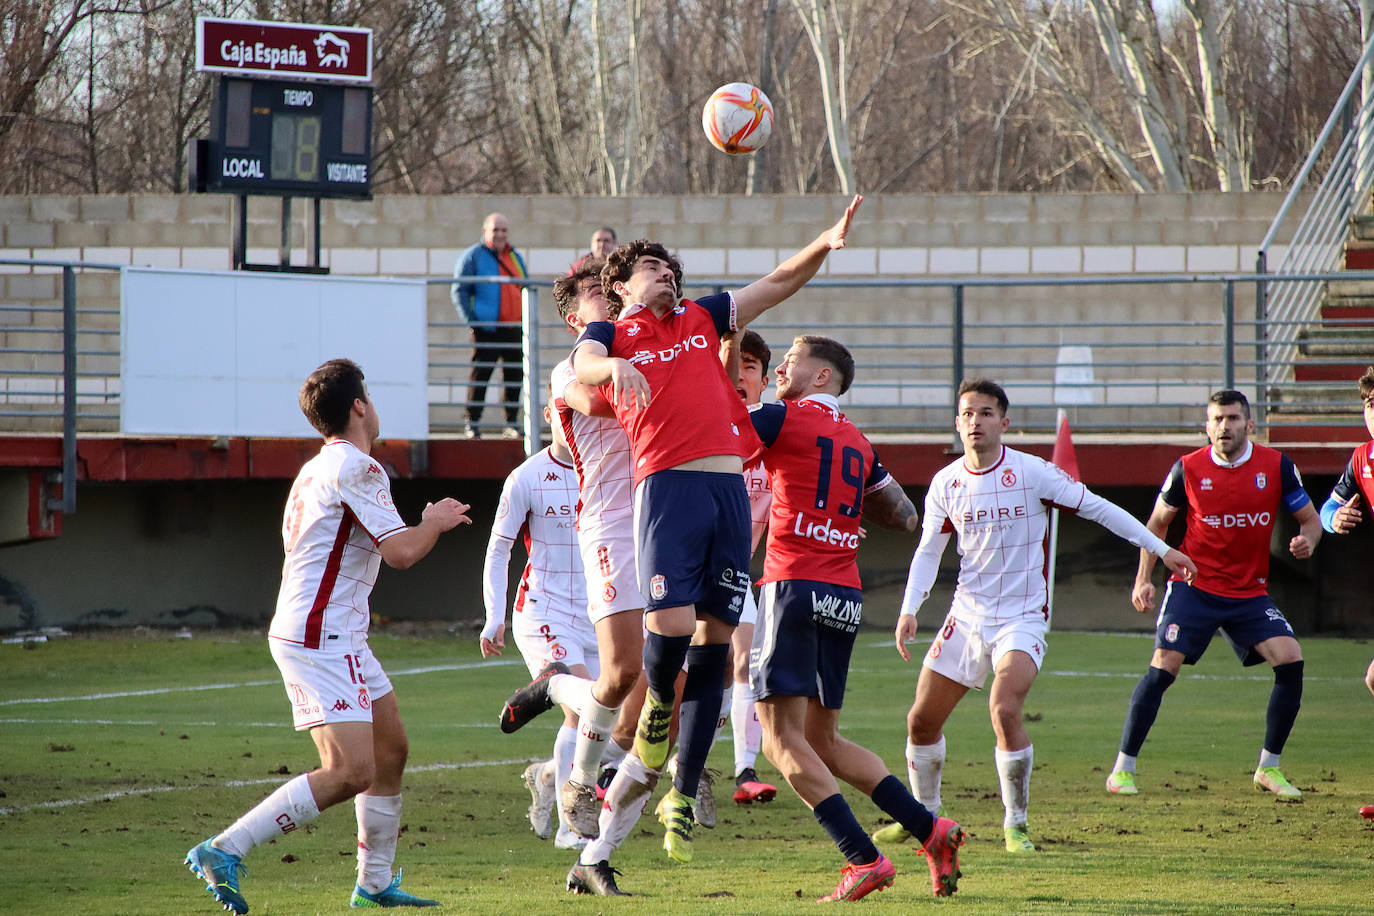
column 1063, row 456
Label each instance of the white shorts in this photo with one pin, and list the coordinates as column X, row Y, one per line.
column 966, row 652
column 750, row 614
column 608, row 561
column 555, row 636
column 337, row 683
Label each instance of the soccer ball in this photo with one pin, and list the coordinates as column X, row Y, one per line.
column 738, row 118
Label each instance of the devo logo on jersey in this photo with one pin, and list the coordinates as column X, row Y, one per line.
column 1171, row 633
column 384, row 500
column 1008, row 478
column 690, row 342
column 1239, row 520
column 658, row 587
column 1260, row 481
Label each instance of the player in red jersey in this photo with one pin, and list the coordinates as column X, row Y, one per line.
column 659, row 367
column 825, row 475
column 1341, row 511
column 1231, row 491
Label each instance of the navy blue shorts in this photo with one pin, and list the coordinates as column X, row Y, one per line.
column 803, row 640
column 692, row 542
column 1189, row 616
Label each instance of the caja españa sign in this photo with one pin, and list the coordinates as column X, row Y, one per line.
column 252, row 48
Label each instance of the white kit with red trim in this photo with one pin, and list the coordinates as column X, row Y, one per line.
column 339, row 511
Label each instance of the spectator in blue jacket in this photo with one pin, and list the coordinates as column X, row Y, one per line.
column 493, row 313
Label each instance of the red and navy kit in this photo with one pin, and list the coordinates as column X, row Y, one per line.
column 694, row 409
column 821, row 467
column 1231, row 510
column 1358, row 476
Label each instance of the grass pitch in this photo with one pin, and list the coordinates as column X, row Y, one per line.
column 117, row 754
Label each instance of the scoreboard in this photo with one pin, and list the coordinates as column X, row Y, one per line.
column 272, row 136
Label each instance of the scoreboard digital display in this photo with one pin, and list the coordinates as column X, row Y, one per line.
column 289, row 138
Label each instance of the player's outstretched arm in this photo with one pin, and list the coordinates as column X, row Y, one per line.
column 1341, row 517
column 1310, row 532
column 792, row 274
column 1143, row 592
column 406, row 548
column 587, row 400
column 890, row 507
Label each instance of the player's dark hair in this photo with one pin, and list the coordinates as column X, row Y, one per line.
column 621, row 263
column 328, row 394
column 832, row 352
column 1367, row 383
column 984, row 386
column 565, row 289
column 1228, row 396
column 752, row 343
column 610, row 230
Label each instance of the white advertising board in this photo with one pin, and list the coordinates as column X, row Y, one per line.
column 224, row 353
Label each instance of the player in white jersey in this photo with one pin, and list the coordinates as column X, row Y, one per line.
column 752, row 379
column 996, row 500
column 552, row 630
column 339, row 525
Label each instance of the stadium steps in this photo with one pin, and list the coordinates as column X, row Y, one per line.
column 1320, row 404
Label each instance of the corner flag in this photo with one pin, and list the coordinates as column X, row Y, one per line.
column 1063, row 458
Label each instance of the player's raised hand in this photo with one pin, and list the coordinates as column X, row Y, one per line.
column 906, row 632
column 840, row 230
column 1180, row 565
column 628, row 384
column 1347, row 516
column 448, row 513
column 496, row 643
column 1143, row 596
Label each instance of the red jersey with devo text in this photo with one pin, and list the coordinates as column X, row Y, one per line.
column 1231, row 511
column 1358, row 476
column 694, row 410
column 821, row 467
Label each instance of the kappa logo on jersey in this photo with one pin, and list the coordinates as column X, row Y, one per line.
column 955, row 484
column 340, row 705
column 1206, row 483
column 1171, row 633
column 384, row 500
column 1260, row 481
column 373, row 469
column 551, row 475
column 1239, row 520
column 690, row 342
column 1008, row 478
column 658, row 587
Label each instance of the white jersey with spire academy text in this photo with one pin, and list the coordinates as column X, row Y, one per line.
column 339, row 511
column 538, row 507
column 760, row 487
column 601, row 453
column 1001, row 517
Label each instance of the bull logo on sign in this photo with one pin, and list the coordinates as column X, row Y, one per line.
column 332, row 50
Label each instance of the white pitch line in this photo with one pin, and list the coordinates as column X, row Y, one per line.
column 234, row 784
column 154, row 691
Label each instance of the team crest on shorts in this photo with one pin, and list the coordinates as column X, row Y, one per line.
column 658, row 587
column 1008, row 478
column 1171, row 633
column 935, row 651
column 609, row 594
column 559, row 653
column 364, row 701
column 1260, row 481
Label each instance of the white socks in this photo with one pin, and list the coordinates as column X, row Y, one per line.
column 379, row 822
column 1014, row 773
column 1125, row 763
column 594, row 728
column 1267, row 759
column 563, row 747
column 745, row 725
column 292, row 805
column 624, row 804
column 571, row 691
column 924, row 764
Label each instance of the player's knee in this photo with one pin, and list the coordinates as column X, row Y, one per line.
column 356, row 777
column 922, row 728
column 620, row 680
column 1005, row 714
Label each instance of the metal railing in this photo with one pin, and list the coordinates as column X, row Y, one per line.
column 1317, row 241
